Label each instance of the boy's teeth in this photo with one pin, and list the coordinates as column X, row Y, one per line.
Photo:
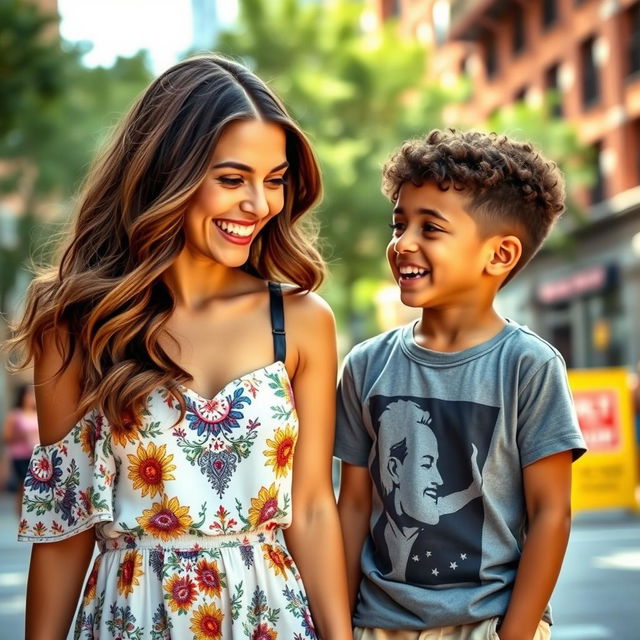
column 240, row 230
column 412, row 271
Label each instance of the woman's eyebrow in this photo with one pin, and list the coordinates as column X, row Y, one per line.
column 245, row 167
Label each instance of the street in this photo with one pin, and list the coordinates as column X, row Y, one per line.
column 597, row 597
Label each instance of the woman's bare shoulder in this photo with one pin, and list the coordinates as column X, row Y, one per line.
column 308, row 310
column 57, row 387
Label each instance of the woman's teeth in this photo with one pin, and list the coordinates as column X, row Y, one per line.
column 240, row 230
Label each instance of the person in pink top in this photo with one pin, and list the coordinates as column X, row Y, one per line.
column 21, row 435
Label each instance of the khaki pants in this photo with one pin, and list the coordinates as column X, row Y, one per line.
column 485, row 630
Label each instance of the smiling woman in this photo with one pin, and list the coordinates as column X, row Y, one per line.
column 169, row 344
column 237, row 199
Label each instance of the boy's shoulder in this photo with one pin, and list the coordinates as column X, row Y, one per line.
column 527, row 357
column 529, row 345
column 375, row 346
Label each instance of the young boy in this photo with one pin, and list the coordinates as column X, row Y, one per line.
column 457, row 432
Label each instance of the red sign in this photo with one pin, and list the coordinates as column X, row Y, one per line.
column 599, row 418
column 579, row 283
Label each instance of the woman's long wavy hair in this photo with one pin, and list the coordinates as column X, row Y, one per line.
column 107, row 293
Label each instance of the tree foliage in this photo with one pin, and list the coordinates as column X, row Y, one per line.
column 358, row 94
column 53, row 113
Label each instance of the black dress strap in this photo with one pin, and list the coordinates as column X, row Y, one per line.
column 277, row 321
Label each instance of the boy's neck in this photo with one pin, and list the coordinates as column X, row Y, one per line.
column 456, row 329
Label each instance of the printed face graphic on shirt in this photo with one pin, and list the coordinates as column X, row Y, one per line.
column 427, row 471
column 412, row 463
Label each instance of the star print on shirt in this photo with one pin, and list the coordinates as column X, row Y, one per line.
column 436, row 568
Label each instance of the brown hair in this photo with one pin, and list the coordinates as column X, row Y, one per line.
column 510, row 184
column 107, row 291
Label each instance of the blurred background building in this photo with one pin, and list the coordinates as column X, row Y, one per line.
column 585, row 54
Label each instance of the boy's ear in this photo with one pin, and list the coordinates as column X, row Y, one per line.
column 506, row 252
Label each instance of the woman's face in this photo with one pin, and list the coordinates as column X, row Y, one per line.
column 242, row 191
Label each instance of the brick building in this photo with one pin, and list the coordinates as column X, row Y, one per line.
column 587, row 52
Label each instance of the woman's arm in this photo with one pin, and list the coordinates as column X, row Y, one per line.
column 314, row 537
column 354, row 507
column 57, row 569
column 56, row 574
column 547, row 490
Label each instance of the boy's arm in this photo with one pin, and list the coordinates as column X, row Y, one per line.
column 547, row 490
column 354, row 508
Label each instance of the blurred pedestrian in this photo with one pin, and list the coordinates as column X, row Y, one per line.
column 20, row 434
column 174, row 335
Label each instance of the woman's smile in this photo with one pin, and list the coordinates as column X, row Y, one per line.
column 235, row 231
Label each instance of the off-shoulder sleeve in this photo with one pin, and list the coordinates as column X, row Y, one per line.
column 69, row 485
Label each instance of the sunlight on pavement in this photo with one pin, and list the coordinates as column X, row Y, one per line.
column 14, row 579
column 12, row 605
column 581, row 632
column 621, row 560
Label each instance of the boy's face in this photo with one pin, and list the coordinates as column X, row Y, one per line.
column 436, row 254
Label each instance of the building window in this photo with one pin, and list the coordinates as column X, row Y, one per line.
column 562, row 339
column 633, row 20
column 552, row 84
column 606, row 330
column 549, row 13
column 491, row 57
column 597, row 189
column 519, row 37
column 590, row 79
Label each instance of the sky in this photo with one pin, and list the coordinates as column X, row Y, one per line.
column 122, row 27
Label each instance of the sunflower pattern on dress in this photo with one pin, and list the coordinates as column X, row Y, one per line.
column 188, row 515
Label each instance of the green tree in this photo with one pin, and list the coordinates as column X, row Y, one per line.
column 556, row 139
column 53, row 114
column 358, row 94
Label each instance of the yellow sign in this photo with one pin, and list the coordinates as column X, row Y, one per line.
column 605, row 477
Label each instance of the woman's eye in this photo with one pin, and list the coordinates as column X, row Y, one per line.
column 229, row 181
column 430, row 228
column 396, row 226
column 278, row 182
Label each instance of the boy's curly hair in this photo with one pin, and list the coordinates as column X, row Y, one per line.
column 510, row 185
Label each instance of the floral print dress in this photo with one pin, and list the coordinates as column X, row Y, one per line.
column 188, row 516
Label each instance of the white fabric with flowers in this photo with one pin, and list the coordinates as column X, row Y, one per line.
column 188, row 516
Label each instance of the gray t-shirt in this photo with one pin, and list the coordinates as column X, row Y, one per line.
column 445, row 437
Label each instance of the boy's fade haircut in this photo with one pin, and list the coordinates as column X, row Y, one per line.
column 510, row 185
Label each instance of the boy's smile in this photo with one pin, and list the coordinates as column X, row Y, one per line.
column 436, row 253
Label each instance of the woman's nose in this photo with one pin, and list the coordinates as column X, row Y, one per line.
column 256, row 203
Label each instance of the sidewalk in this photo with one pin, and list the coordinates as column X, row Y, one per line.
column 8, row 522
column 14, row 564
